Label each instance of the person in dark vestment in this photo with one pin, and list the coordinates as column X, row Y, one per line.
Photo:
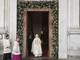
column 29, row 44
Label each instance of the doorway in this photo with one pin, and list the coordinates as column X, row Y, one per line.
column 37, row 23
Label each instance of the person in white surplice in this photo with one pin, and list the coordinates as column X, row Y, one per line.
column 36, row 46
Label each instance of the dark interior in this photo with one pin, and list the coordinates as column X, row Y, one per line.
column 37, row 23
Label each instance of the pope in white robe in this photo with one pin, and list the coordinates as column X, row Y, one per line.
column 36, row 46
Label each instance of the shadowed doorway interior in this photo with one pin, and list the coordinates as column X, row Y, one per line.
column 37, row 23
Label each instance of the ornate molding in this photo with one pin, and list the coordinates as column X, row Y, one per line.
column 74, row 31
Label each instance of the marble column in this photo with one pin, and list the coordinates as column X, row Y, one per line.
column 63, row 17
column 11, row 18
column 73, row 13
column 73, row 28
column 1, row 13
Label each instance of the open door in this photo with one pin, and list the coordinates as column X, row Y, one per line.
column 37, row 22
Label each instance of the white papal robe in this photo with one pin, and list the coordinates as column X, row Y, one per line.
column 36, row 47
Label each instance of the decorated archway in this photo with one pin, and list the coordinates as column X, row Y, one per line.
column 52, row 7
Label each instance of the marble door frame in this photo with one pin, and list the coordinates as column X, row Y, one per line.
column 25, row 29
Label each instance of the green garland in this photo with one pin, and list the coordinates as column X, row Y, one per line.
column 53, row 5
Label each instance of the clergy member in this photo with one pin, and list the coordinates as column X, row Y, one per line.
column 36, row 46
column 7, row 48
column 16, row 50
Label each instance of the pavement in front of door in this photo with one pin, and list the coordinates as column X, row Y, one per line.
column 46, row 58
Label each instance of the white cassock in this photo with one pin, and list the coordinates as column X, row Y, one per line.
column 6, row 44
column 36, row 46
column 16, row 48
